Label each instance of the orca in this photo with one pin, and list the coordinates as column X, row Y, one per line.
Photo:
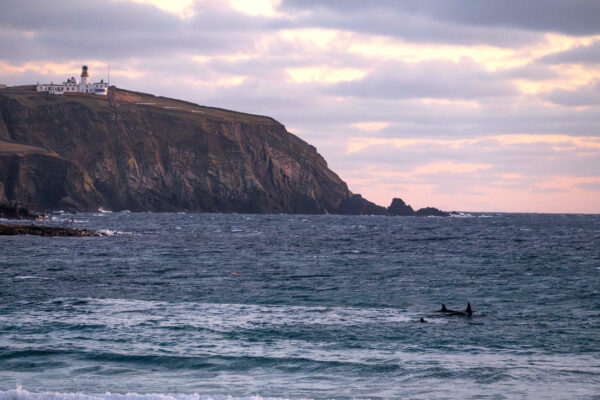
column 423, row 320
column 467, row 313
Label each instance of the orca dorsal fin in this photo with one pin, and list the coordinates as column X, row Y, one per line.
column 468, row 310
column 444, row 307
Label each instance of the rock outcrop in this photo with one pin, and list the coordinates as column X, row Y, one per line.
column 14, row 210
column 399, row 207
column 40, row 230
column 138, row 152
column 431, row 212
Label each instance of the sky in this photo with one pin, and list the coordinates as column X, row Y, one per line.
column 476, row 106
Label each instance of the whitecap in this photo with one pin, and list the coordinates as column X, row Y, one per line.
column 24, row 277
column 461, row 215
column 110, row 232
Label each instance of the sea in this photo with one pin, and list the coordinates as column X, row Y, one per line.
column 184, row 306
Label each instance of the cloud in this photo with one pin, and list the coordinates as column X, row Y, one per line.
column 579, row 55
column 431, row 79
column 580, row 97
column 592, row 186
column 498, row 22
column 63, row 29
column 531, row 72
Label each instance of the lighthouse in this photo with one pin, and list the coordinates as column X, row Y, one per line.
column 72, row 86
column 85, row 77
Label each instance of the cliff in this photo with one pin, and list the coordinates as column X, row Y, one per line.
column 138, row 152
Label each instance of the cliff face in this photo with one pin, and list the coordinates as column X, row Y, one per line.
column 140, row 152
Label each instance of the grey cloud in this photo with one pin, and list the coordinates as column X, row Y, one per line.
column 582, row 96
column 66, row 29
column 578, row 55
column 465, row 80
column 593, row 186
column 304, row 105
column 574, row 17
column 398, row 23
column 93, row 16
column 532, row 72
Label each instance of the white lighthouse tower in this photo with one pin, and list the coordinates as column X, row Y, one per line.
column 85, row 77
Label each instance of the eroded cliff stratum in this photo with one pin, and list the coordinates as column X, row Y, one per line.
column 134, row 151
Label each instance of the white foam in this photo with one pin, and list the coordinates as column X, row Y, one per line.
column 110, row 232
column 22, row 394
column 225, row 317
column 23, row 277
column 461, row 215
column 102, row 210
column 66, row 219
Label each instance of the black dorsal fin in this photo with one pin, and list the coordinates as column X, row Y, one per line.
column 444, row 307
column 468, row 310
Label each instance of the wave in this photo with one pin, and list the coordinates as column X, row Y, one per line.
column 110, row 232
column 22, row 394
column 461, row 215
column 229, row 315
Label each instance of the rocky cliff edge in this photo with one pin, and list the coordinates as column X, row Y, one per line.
column 138, row 152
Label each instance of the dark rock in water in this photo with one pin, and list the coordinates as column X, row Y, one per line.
column 39, row 230
column 14, row 210
column 357, row 205
column 431, row 212
column 399, row 207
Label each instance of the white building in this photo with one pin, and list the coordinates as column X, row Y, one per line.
column 72, row 86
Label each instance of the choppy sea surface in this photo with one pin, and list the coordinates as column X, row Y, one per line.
column 209, row 306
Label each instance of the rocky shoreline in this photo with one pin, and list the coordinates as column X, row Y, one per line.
column 40, row 230
column 14, row 210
